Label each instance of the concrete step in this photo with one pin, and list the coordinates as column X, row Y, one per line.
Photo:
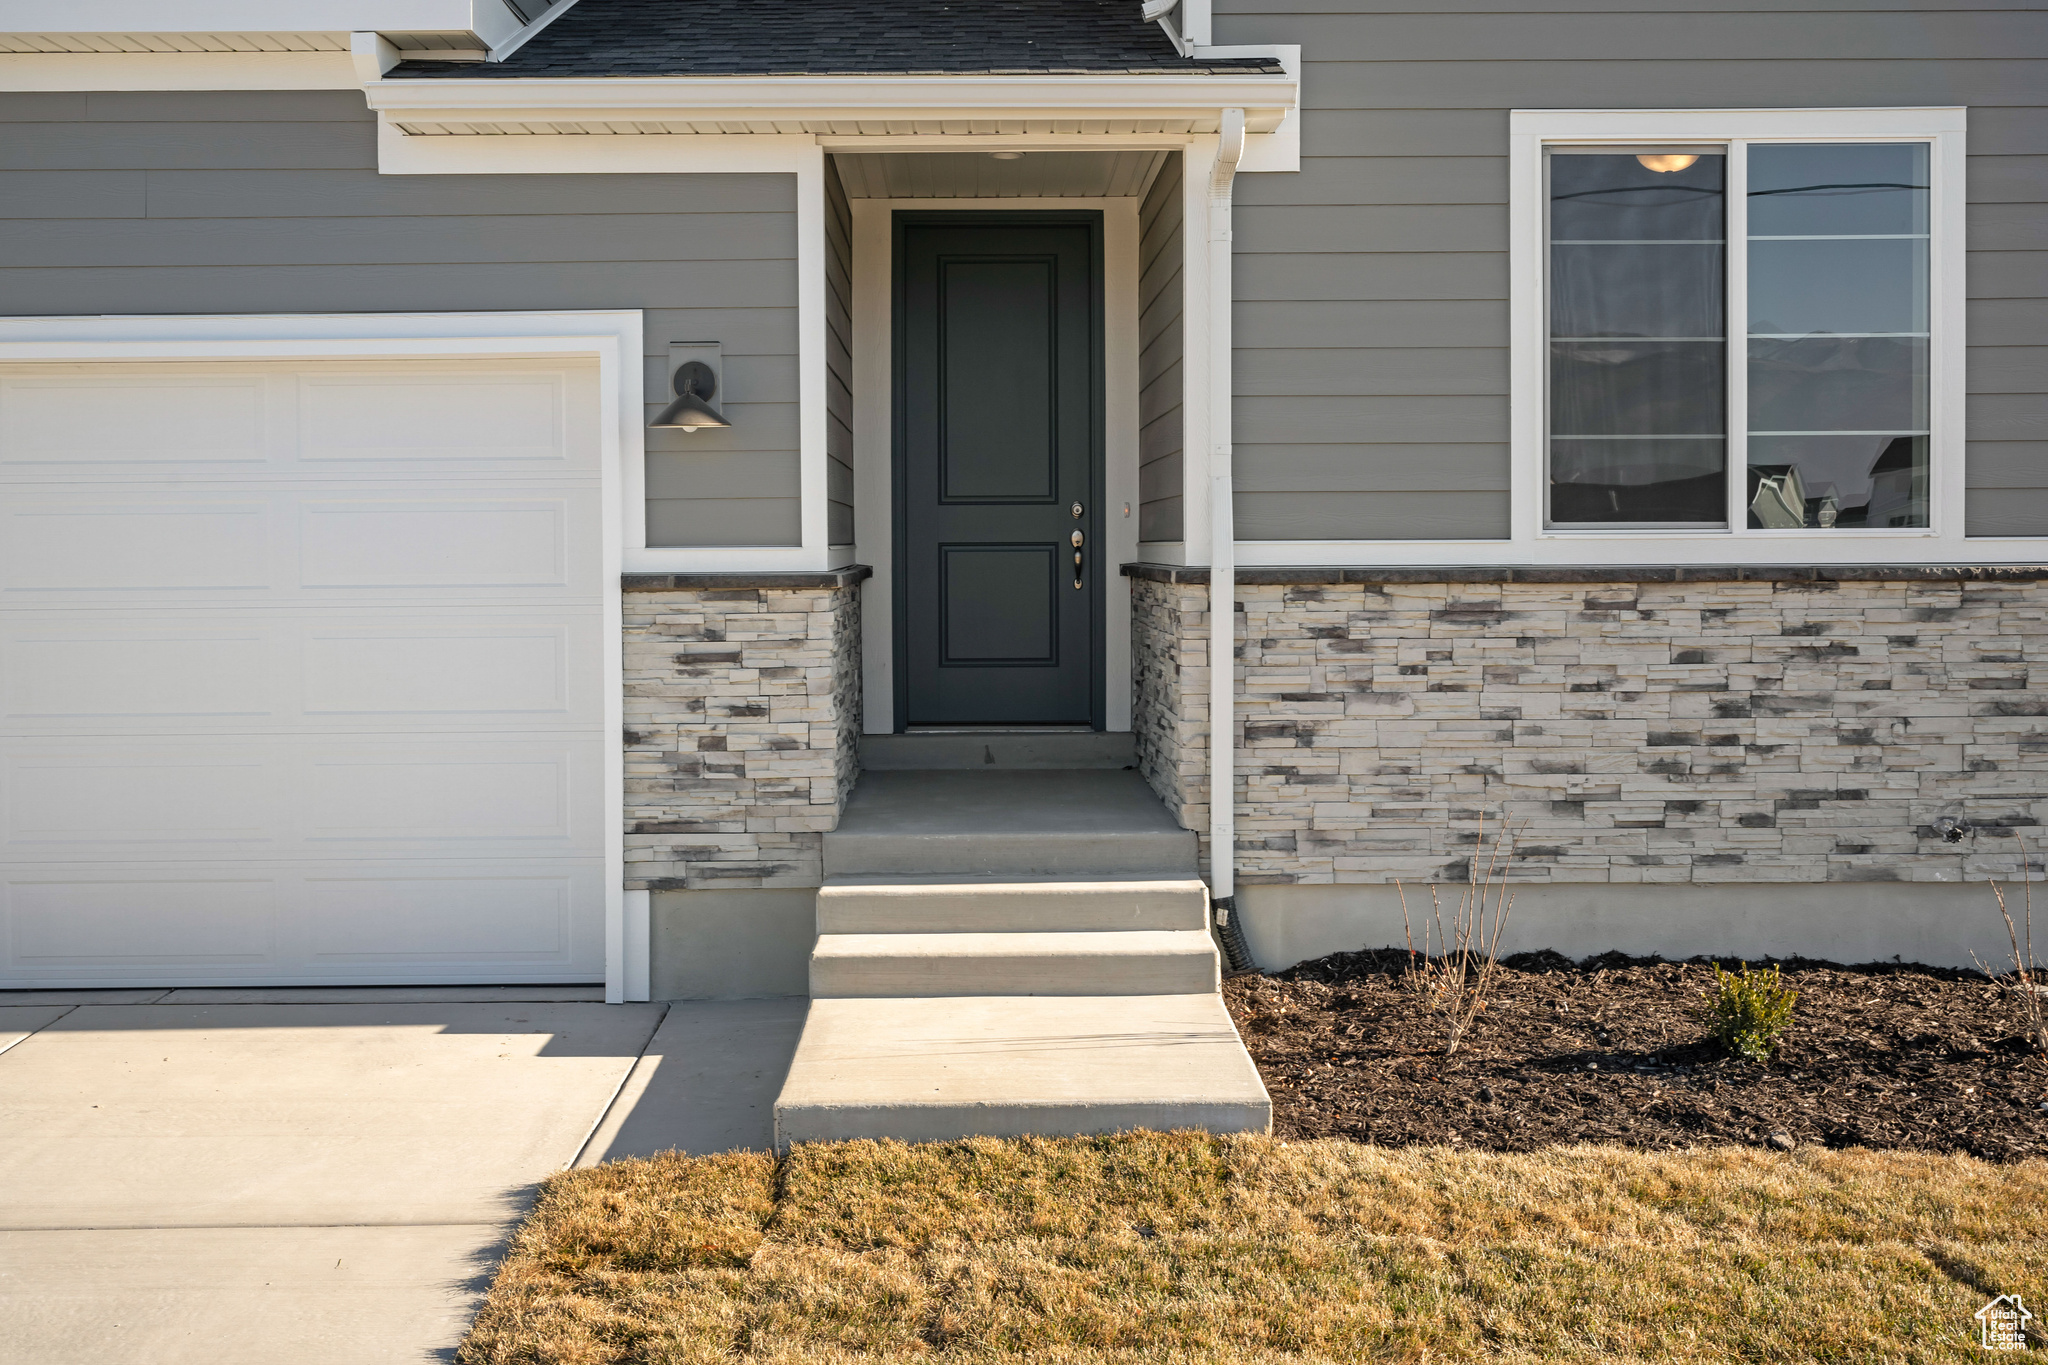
column 996, row 749
column 925, row 1070
column 1137, row 962
column 952, row 904
column 1063, row 822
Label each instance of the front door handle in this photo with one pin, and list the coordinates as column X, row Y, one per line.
column 1075, row 540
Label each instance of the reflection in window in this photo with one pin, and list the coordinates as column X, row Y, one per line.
column 1838, row 335
column 1638, row 338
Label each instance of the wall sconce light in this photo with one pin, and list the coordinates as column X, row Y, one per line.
column 695, row 387
column 695, row 368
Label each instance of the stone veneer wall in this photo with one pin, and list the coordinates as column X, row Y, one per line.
column 1640, row 726
column 1170, row 701
column 742, row 715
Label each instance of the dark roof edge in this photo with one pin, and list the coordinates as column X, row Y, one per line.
column 1307, row 575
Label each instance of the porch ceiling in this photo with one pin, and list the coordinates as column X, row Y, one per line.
column 977, row 175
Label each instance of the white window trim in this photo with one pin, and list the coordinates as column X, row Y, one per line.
column 611, row 337
column 1531, row 131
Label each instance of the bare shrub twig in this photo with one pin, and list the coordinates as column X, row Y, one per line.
column 1457, row 977
column 2026, row 984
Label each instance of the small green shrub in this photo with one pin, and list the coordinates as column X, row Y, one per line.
column 1746, row 1012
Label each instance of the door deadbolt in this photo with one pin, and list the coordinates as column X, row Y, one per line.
column 1077, row 509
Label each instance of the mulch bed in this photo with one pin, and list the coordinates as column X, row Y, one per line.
column 1613, row 1050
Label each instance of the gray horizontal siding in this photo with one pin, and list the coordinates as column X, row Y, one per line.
column 1371, row 288
column 269, row 202
column 1161, row 281
column 838, row 358
column 1434, row 515
column 1555, row 35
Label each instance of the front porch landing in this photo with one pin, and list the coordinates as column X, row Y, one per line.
column 1011, row 951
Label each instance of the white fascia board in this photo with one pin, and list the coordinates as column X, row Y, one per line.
column 1265, row 99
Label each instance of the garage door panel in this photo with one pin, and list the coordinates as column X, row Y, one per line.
column 130, row 923
column 456, row 417
column 436, row 796
column 450, row 543
column 302, row 672
column 135, row 671
column 108, row 671
column 504, row 919
column 325, row 921
column 142, row 417
column 73, row 548
column 287, row 796
column 209, row 795
column 442, row 673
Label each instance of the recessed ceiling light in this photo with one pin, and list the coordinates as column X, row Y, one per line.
column 1006, row 156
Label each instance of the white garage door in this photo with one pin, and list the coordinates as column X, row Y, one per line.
column 302, row 668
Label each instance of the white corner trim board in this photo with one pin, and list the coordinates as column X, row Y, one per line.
column 1230, row 147
column 613, row 338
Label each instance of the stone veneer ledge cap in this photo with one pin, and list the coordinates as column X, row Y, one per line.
column 1324, row 574
column 685, row 582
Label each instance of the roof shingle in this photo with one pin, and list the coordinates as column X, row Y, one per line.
column 844, row 37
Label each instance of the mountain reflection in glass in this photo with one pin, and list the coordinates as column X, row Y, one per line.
column 1838, row 335
column 1638, row 338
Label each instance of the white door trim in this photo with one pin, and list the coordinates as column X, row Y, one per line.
column 874, row 439
column 611, row 337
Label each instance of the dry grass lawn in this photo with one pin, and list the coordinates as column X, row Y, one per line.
column 1184, row 1247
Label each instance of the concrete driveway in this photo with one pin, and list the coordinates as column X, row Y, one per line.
column 326, row 1175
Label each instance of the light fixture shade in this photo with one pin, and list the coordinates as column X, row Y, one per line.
column 1664, row 163
column 690, row 412
column 695, row 385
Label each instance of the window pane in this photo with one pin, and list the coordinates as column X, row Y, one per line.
column 1810, row 190
column 1606, row 198
column 1672, row 289
column 1625, row 388
column 1838, row 417
column 1837, row 284
column 1825, row 482
column 1637, row 418
column 1838, row 384
column 1640, row 482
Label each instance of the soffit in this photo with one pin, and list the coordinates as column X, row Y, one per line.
column 977, row 175
column 177, row 42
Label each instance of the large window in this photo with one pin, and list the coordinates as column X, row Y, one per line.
column 1738, row 335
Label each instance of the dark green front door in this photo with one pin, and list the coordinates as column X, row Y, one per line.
column 998, row 470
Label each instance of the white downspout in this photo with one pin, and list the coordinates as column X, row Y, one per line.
column 1222, row 530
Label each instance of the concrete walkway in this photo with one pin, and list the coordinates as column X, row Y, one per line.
column 325, row 1175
